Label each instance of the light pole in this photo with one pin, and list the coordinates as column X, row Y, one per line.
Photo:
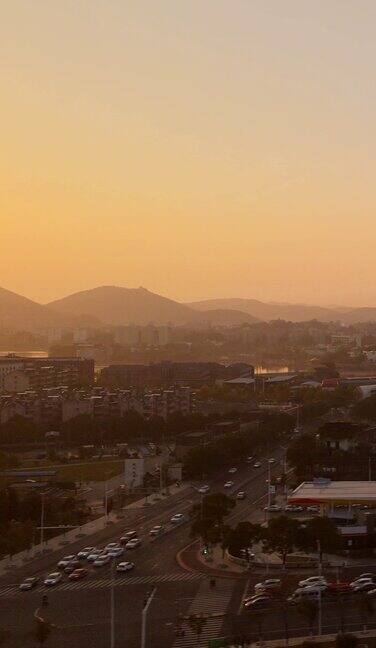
column 144, row 616
column 42, row 522
column 112, row 604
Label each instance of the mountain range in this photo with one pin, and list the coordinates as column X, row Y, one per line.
column 114, row 305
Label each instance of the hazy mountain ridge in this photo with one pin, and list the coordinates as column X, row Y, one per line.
column 116, row 305
column 270, row 311
column 113, row 305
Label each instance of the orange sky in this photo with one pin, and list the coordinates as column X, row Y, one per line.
column 200, row 148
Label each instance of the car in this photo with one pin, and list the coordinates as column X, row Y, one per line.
column 124, row 567
column 64, row 561
column 178, row 517
column 305, row 594
column 53, row 579
column 112, row 545
column 313, row 509
column 271, row 460
column 339, row 588
column 259, row 602
column 367, row 575
column 132, row 544
column 361, row 581
column 371, row 593
column 273, row 508
column 232, row 470
column 85, row 552
column 268, row 584
column 102, row 560
column 204, row 489
column 29, row 583
column 229, row 484
column 240, row 495
column 312, row 581
column 72, row 566
column 257, row 464
column 363, row 587
column 250, row 458
column 128, row 536
column 116, row 552
column 156, row 530
column 78, row 574
column 93, row 556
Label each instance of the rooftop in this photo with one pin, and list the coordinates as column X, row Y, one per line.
column 326, row 491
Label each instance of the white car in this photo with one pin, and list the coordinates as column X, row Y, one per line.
column 53, row 579
column 94, row 555
column 64, row 561
column 271, row 460
column 112, row 545
column 128, row 536
column 362, row 581
column 229, row 484
column 156, row 530
column 312, row 581
column 116, row 552
column 240, row 495
column 124, row 567
column 257, row 464
column 132, row 544
column 273, row 508
column 268, row 584
column 233, row 470
column 204, row 489
column 102, row 560
column 84, row 553
column 178, row 517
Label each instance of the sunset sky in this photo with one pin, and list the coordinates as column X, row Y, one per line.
column 199, row 148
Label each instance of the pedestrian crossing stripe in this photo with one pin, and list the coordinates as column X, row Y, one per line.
column 11, row 590
column 207, row 601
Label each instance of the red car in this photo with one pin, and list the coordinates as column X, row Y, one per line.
column 78, row 574
column 339, row 588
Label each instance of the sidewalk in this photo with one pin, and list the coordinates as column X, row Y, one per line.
column 100, row 523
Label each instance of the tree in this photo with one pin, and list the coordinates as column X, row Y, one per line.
column 243, row 536
column 281, row 535
column 309, row 610
column 42, row 631
column 197, row 622
column 346, row 640
column 207, row 517
column 366, row 609
column 320, row 534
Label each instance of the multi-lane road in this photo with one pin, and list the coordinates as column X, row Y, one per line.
column 80, row 611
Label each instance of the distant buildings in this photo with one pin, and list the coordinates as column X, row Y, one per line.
column 149, row 335
column 52, row 407
column 23, row 373
column 193, row 374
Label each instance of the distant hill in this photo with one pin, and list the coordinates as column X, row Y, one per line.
column 267, row 311
column 115, row 305
column 24, row 314
column 366, row 314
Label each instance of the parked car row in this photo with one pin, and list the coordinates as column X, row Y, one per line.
column 311, row 588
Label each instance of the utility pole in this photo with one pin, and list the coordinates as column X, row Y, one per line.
column 369, row 469
column 320, row 613
column 269, row 479
column 144, row 616
column 42, row 522
column 112, row 603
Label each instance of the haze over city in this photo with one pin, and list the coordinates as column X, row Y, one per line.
column 200, row 149
column 188, row 324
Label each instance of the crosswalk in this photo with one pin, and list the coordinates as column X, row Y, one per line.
column 12, row 590
column 208, row 601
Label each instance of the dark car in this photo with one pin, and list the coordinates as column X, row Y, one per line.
column 29, row 583
column 72, row 566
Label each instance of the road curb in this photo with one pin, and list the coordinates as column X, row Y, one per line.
column 206, row 570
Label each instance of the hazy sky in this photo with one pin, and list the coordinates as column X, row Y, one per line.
column 199, row 148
